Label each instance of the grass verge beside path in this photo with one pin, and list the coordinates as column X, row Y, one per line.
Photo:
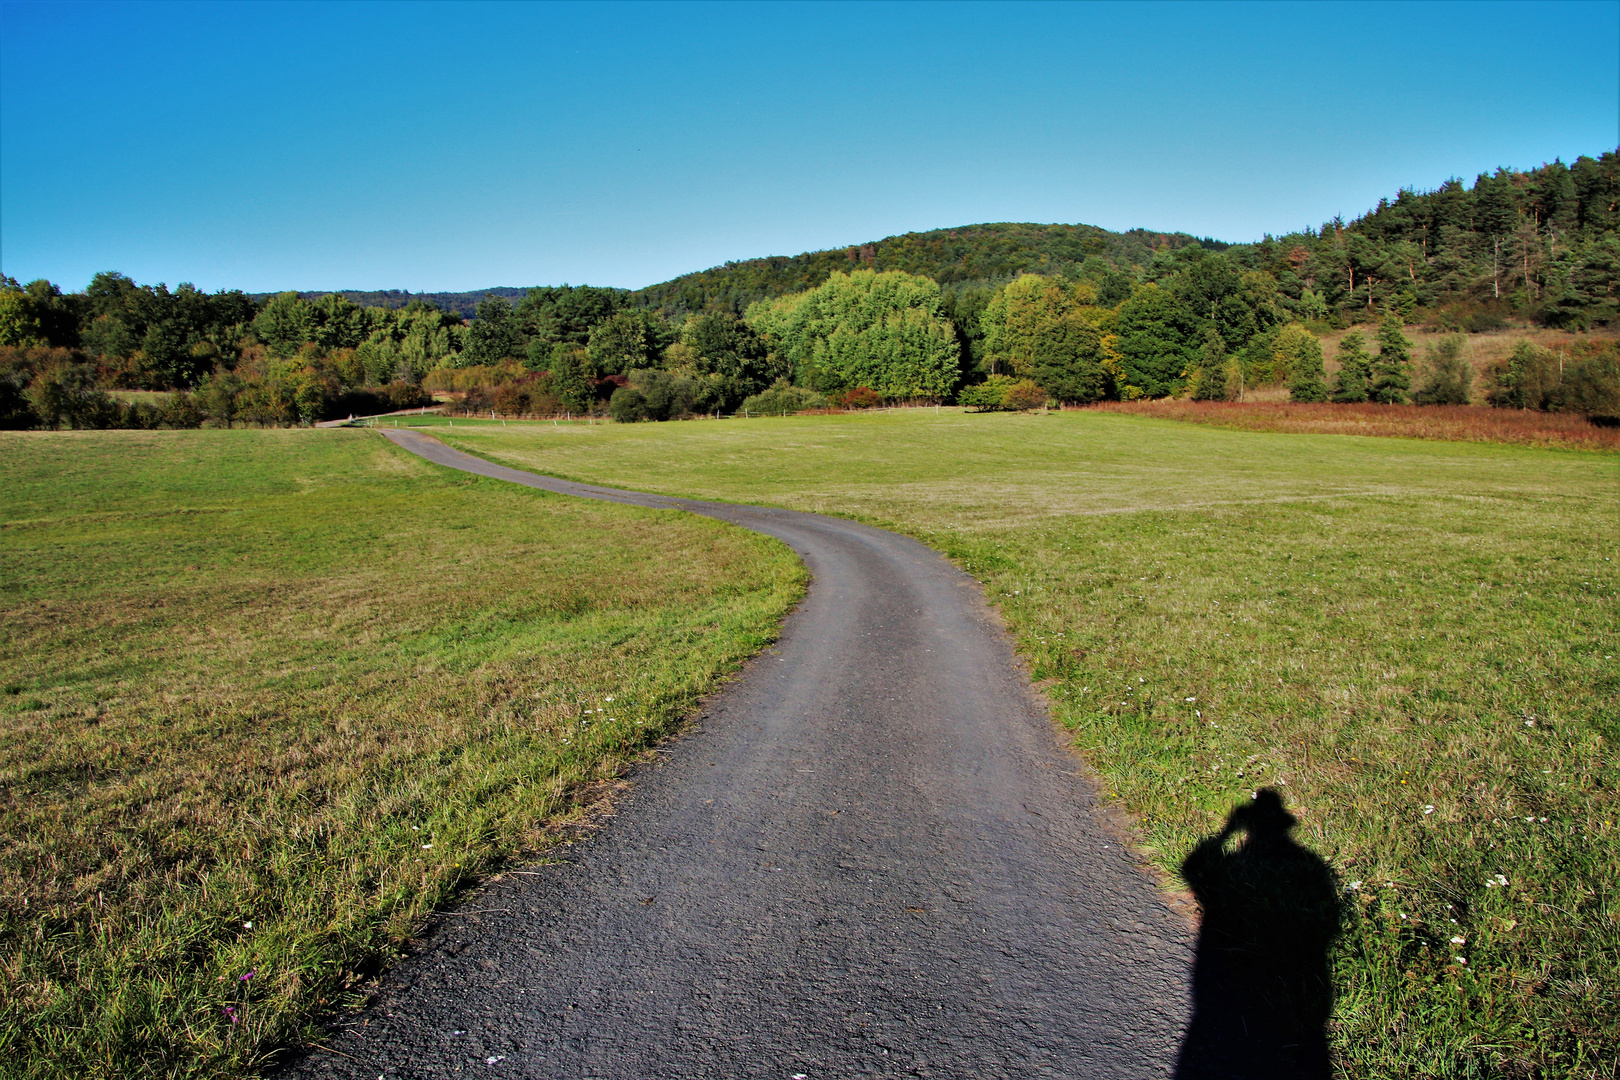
column 1413, row 641
column 269, row 697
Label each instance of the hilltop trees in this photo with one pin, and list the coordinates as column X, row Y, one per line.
column 565, row 314
column 494, row 335
column 146, row 337
column 1537, row 243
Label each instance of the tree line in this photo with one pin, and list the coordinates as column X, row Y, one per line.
column 993, row 316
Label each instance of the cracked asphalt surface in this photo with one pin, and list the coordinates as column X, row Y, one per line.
column 871, row 855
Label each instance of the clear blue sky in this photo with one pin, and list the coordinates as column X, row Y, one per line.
column 424, row 146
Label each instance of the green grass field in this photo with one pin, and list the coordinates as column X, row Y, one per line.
column 269, row 697
column 1413, row 641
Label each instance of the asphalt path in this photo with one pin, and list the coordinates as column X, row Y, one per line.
column 872, row 854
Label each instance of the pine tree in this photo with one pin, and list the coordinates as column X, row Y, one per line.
column 1354, row 369
column 1310, row 377
column 1392, row 374
column 1212, row 368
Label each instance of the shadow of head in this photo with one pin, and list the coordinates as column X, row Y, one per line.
column 1262, row 988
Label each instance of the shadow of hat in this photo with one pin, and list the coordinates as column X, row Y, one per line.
column 1266, row 813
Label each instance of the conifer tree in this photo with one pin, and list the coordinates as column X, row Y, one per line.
column 1392, row 373
column 1355, row 368
column 1310, row 377
column 1212, row 368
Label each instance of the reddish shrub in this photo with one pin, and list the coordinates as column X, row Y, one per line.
column 862, row 397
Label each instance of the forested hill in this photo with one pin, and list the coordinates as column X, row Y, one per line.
column 1540, row 244
column 970, row 254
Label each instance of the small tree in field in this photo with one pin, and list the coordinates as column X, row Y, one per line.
column 1355, row 369
column 1309, row 382
column 1391, row 373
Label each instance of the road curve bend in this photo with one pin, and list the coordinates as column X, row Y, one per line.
column 872, row 855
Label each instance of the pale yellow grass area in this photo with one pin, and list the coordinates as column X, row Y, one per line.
column 1483, row 351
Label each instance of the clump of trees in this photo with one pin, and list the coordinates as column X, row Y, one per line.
column 886, row 331
column 1449, row 378
column 1585, row 379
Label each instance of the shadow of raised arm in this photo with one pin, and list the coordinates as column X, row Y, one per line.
column 1262, row 988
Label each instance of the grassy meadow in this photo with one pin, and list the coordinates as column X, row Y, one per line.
column 269, row 697
column 1413, row 641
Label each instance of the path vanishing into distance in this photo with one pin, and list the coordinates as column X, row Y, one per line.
column 871, row 855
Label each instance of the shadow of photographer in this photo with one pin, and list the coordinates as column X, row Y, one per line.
column 1262, row 987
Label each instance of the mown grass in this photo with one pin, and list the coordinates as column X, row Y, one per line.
column 1375, row 627
column 269, row 697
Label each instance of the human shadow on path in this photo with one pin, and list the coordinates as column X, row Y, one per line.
column 1262, row 988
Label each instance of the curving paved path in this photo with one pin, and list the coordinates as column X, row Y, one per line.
column 871, row 856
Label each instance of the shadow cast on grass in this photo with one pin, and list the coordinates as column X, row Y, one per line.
column 1262, row 988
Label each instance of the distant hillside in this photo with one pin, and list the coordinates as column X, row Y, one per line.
column 1540, row 244
column 459, row 303
column 987, row 254
column 967, row 255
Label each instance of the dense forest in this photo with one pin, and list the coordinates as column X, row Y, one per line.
column 994, row 316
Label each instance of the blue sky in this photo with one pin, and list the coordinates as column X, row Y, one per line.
column 425, row 146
